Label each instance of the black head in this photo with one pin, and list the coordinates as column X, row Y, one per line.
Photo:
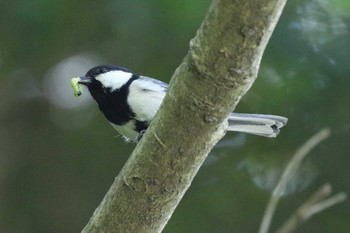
column 93, row 72
column 109, row 86
column 104, row 78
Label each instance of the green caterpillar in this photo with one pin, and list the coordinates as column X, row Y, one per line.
column 76, row 86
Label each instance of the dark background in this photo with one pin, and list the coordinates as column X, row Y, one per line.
column 58, row 155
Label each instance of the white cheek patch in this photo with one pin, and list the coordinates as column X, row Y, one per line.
column 114, row 79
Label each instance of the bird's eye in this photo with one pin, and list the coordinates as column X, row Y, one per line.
column 103, row 70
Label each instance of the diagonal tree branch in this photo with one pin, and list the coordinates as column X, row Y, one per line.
column 286, row 176
column 221, row 65
column 315, row 204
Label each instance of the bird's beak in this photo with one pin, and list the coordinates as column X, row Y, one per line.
column 85, row 80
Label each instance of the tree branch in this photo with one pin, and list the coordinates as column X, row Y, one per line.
column 287, row 175
column 221, row 65
column 315, row 204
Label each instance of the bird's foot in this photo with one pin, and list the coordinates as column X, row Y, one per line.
column 138, row 138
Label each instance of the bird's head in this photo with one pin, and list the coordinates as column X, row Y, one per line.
column 106, row 79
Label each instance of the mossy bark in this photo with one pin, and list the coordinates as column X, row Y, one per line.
column 221, row 65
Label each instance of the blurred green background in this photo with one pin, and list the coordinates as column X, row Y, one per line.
column 58, row 155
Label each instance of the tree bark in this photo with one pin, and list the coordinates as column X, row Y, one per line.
column 221, row 65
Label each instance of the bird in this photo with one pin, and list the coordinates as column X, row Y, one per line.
column 130, row 101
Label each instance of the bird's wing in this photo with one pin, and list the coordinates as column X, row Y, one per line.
column 145, row 96
column 155, row 81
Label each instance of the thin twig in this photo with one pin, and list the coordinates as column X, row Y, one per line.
column 315, row 204
column 292, row 166
column 340, row 197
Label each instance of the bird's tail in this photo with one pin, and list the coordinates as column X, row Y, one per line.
column 258, row 124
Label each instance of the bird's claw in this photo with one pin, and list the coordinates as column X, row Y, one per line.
column 138, row 138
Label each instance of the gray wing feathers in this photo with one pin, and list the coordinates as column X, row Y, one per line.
column 155, row 81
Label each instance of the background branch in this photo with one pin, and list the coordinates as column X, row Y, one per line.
column 313, row 205
column 287, row 175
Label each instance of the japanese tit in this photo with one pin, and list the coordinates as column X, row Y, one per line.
column 130, row 101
